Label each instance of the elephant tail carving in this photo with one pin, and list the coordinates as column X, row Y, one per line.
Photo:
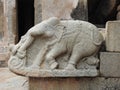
column 97, row 43
column 97, row 37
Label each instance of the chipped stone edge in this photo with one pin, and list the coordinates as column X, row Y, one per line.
column 54, row 73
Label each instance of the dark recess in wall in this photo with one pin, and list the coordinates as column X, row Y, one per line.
column 25, row 14
column 101, row 11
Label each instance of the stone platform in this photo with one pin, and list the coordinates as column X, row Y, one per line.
column 10, row 81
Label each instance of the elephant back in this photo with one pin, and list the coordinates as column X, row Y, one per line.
column 82, row 29
column 89, row 31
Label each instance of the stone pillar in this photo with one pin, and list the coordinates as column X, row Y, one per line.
column 38, row 11
column 10, row 20
column 3, row 34
column 8, row 27
column 113, row 36
column 63, row 9
column 1, row 19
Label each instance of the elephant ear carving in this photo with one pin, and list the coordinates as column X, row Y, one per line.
column 97, row 37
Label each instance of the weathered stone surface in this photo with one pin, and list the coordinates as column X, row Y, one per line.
column 113, row 36
column 1, row 19
column 110, row 64
column 7, row 28
column 66, row 45
column 10, row 21
column 61, row 73
column 118, row 13
column 74, row 84
column 38, row 11
column 102, row 31
column 4, row 53
column 63, row 9
column 59, row 8
column 81, row 11
column 10, row 81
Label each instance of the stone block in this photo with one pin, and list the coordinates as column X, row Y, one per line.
column 74, row 84
column 8, row 27
column 10, row 21
column 113, row 36
column 110, row 64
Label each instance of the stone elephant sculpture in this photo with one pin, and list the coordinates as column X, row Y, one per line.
column 77, row 38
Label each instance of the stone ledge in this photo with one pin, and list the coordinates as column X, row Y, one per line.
column 62, row 73
column 56, row 73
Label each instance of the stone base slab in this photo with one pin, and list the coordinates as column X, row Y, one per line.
column 74, row 83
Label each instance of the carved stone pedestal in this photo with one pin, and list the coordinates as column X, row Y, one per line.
column 59, row 49
column 75, row 83
column 56, row 84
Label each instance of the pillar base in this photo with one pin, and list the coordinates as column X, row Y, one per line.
column 56, row 83
column 75, row 83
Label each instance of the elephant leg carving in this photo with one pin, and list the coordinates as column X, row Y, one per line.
column 80, row 51
column 57, row 50
column 75, row 57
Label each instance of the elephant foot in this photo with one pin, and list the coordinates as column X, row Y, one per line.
column 34, row 67
column 54, row 65
column 70, row 67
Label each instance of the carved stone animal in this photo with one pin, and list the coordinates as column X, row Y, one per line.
column 77, row 38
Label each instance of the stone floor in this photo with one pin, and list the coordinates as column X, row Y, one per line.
column 10, row 81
